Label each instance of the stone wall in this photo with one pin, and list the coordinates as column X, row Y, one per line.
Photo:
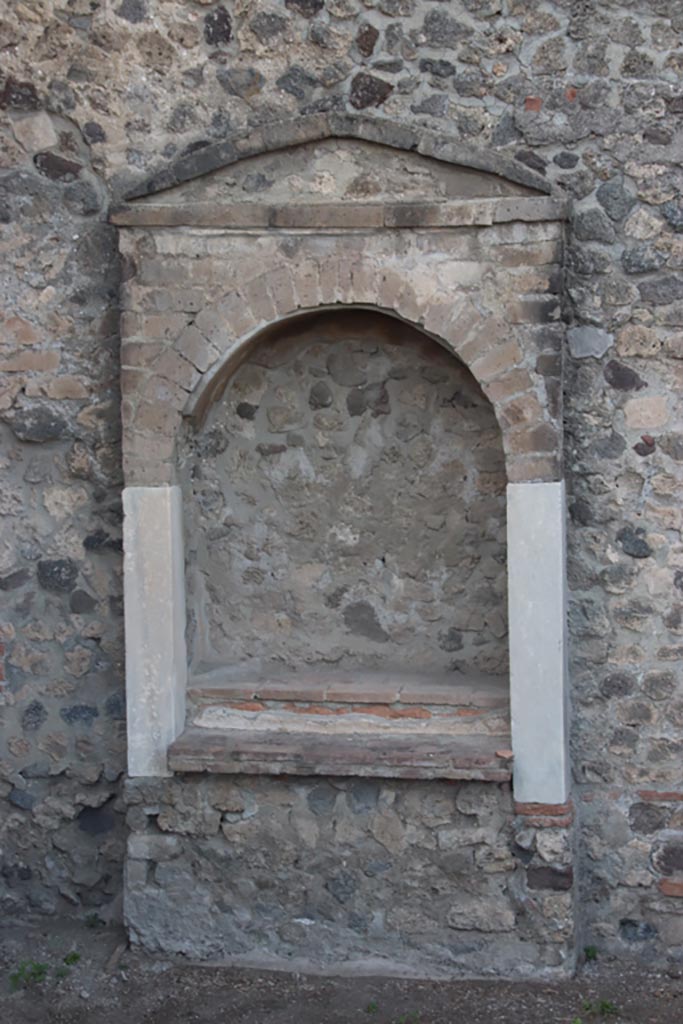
column 94, row 96
column 411, row 877
column 346, row 506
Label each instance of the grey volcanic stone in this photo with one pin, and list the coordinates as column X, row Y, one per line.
column 647, row 818
column 361, row 618
column 297, row 82
column 343, row 370
column 593, row 226
column 322, row 798
column 243, row 82
column 438, row 68
column 672, row 445
column 320, row 396
column 342, row 886
column 673, row 213
column 21, row 798
column 268, row 26
column 134, row 11
column 641, row 258
column 617, row 684
column 588, row 341
column 442, row 30
column 661, row 291
column 38, row 423
column 615, row 200
column 451, row 640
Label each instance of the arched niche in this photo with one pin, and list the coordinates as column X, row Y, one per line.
column 344, row 506
column 302, row 217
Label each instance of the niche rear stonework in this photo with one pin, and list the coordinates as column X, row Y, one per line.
column 345, row 506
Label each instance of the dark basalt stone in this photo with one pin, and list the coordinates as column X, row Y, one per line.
column 100, row 540
column 57, row 168
column 306, row 8
column 94, row 132
column 57, row 575
column 74, row 713
column 361, row 618
column 451, row 640
column 16, row 95
column 320, row 396
column 33, row 716
column 368, row 91
column 96, row 820
column 14, row 580
column 366, row 39
column 673, row 214
column 636, row 931
column 560, row 880
column 633, row 542
column 217, row 27
column 623, row 378
column 80, row 602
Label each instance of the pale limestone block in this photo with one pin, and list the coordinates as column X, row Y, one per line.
column 154, row 596
column 35, row 132
column 538, row 645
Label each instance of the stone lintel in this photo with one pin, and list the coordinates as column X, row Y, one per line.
column 154, row 593
column 344, row 215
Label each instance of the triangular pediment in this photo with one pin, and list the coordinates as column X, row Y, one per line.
column 339, row 171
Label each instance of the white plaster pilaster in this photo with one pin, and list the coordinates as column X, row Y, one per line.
column 538, row 641
column 154, row 597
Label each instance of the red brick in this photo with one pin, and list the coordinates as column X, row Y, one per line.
column 547, row 810
column 533, row 103
column 667, row 796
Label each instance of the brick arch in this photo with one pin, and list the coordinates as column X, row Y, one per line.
column 184, row 379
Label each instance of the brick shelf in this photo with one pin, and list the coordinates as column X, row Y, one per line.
column 357, row 687
column 393, row 724
column 241, row 751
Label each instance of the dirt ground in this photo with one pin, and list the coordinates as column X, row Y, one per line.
column 65, row 973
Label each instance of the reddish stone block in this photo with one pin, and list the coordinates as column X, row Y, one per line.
column 671, row 887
